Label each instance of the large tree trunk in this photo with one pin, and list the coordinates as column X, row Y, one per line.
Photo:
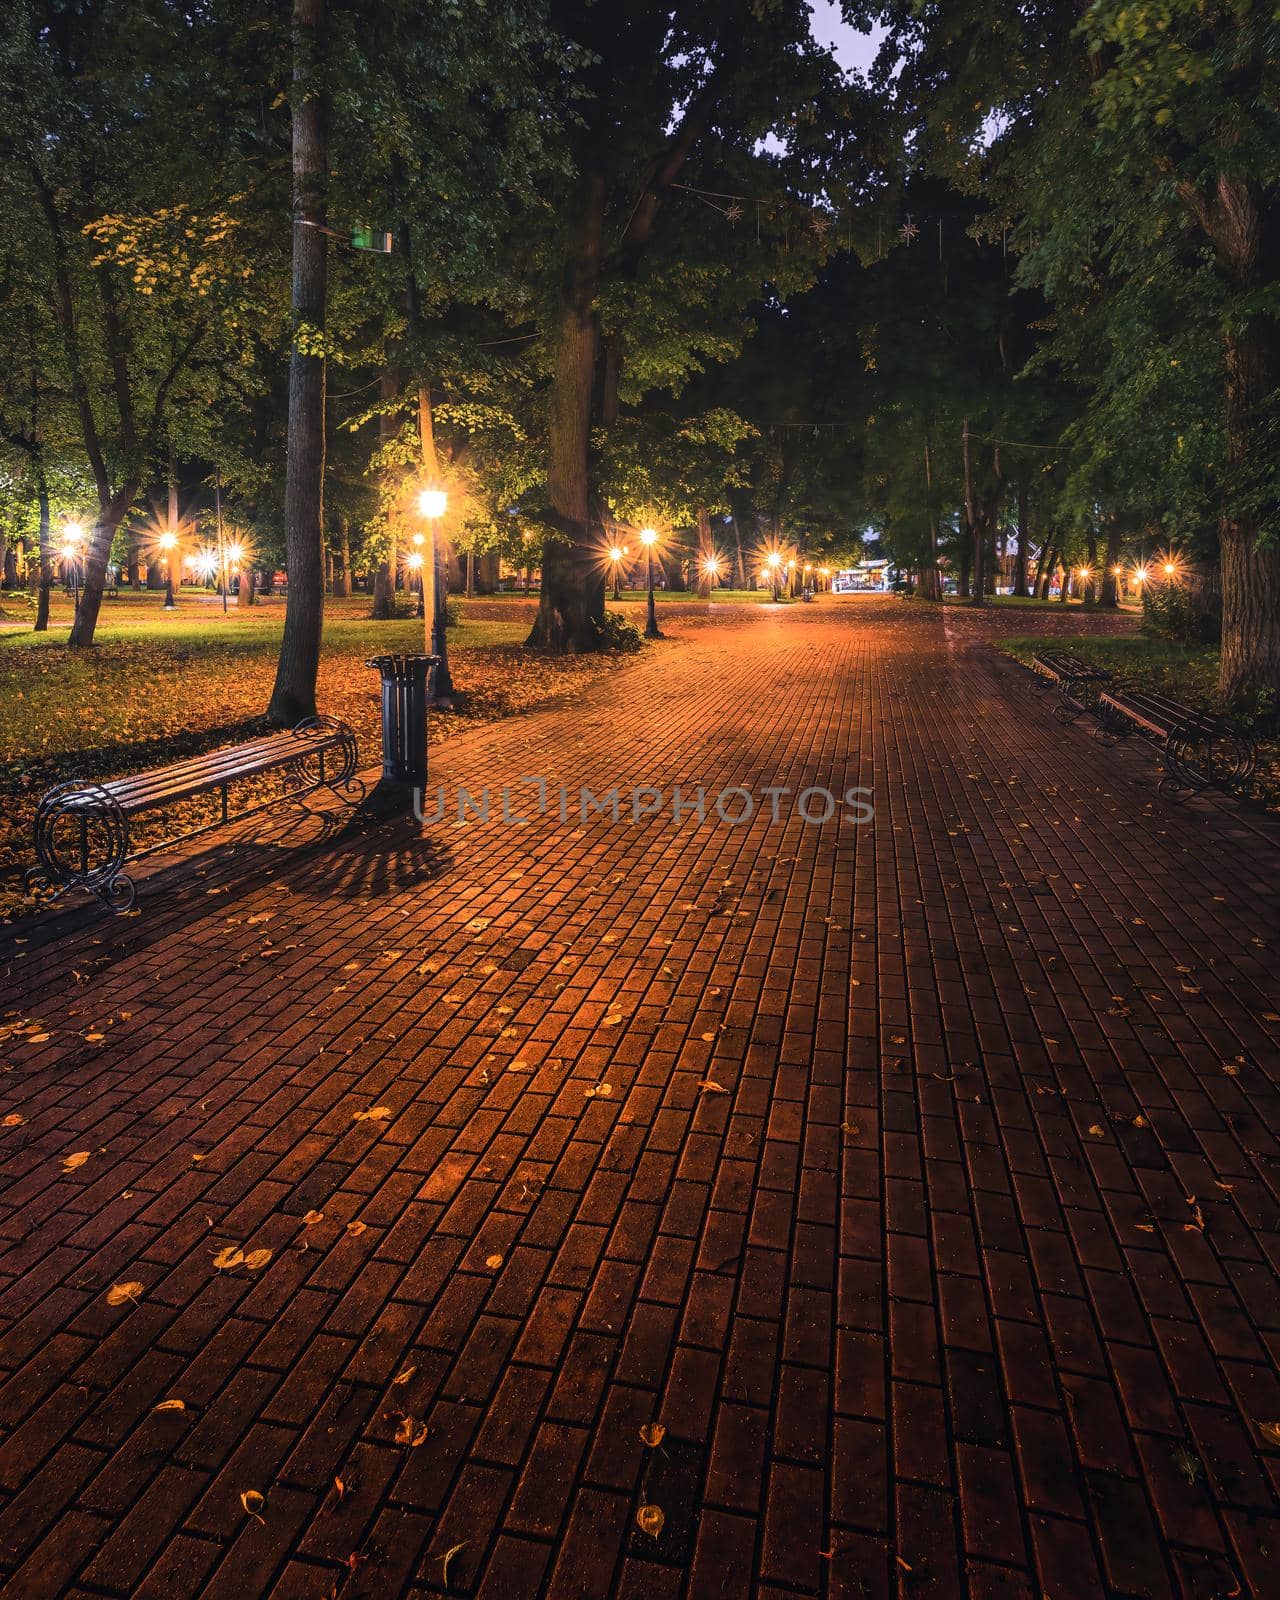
column 1249, row 665
column 1024, row 534
column 46, row 554
column 97, row 553
column 294, row 695
column 571, row 604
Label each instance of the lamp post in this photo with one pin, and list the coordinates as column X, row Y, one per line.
column 72, row 536
column 167, row 541
column 433, row 503
column 648, row 538
column 791, row 578
column 616, row 554
column 711, row 572
column 774, row 565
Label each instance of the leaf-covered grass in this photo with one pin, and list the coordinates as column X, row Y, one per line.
column 157, row 687
column 1183, row 672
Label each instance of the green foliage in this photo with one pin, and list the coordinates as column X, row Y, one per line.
column 620, row 636
column 1169, row 612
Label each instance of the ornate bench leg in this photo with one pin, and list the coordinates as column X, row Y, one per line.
column 94, row 853
column 341, row 780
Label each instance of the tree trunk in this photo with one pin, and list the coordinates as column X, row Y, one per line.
column 1249, row 665
column 571, row 604
column 97, row 553
column 294, row 695
column 1024, row 534
column 930, row 573
column 342, row 571
column 1110, row 597
column 1089, row 584
column 46, row 554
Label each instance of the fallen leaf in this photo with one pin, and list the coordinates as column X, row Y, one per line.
column 613, row 1021
column 13, row 1120
column 37, row 1038
column 1097, row 1130
column 651, row 1520
column 229, row 1256
column 598, row 1091
column 356, row 1228
column 373, row 1114
column 710, row 1086
column 118, row 1293
column 708, row 1038
column 256, row 1259
column 171, row 1405
column 71, row 1162
column 403, row 1377
column 253, row 1503
column 311, row 1218
column 411, row 1432
column 493, row 1262
column 652, row 1434
column 340, row 1488
column 1270, row 1431
column 445, row 1559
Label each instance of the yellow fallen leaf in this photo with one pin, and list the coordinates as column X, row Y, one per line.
column 1097, row 1130
column 373, row 1114
column 411, row 1432
column 652, row 1434
column 710, row 1086
column 229, row 1256
column 356, row 1228
column 171, row 1405
column 78, row 1159
column 445, row 1559
column 708, row 1038
column 94, row 1038
column 37, row 1038
column 651, row 1520
column 1270, row 1431
column 403, row 1377
column 612, row 1022
column 118, row 1293
column 311, row 1218
column 598, row 1091
column 493, row 1262
column 253, row 1503
column 13, row 1120
column 256, row 1259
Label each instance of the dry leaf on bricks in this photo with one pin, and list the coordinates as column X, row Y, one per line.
column 118, row 1293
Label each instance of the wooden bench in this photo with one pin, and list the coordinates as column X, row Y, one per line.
column 1201, row 750
column 82, row 829
column 1078, row 682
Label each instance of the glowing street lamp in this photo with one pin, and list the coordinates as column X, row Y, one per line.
column 616, row 553
column 711, row 566
column 414, row 563
column 205, row 561
column 433, row 503
column 648, row 538
column 167, row 543
column 72, row 539
column 773, row 562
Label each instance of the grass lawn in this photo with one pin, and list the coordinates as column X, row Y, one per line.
column 158, row 686
column 1183, row 672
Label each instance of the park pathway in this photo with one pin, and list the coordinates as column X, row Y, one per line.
column 930, row 1207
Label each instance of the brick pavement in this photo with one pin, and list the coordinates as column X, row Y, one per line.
column 965, row 1284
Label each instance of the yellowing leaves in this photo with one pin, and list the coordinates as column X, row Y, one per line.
column 652, row 1434
column 232, row 1256
column 411, row 1432
column 651, row 1520
column 171, row 1405
column 598, row 1091
column 253, row 1501
column 373, row 1114
column 74, row 1161
column 119, row 1293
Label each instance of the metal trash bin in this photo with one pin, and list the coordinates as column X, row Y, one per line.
column 406, row 694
